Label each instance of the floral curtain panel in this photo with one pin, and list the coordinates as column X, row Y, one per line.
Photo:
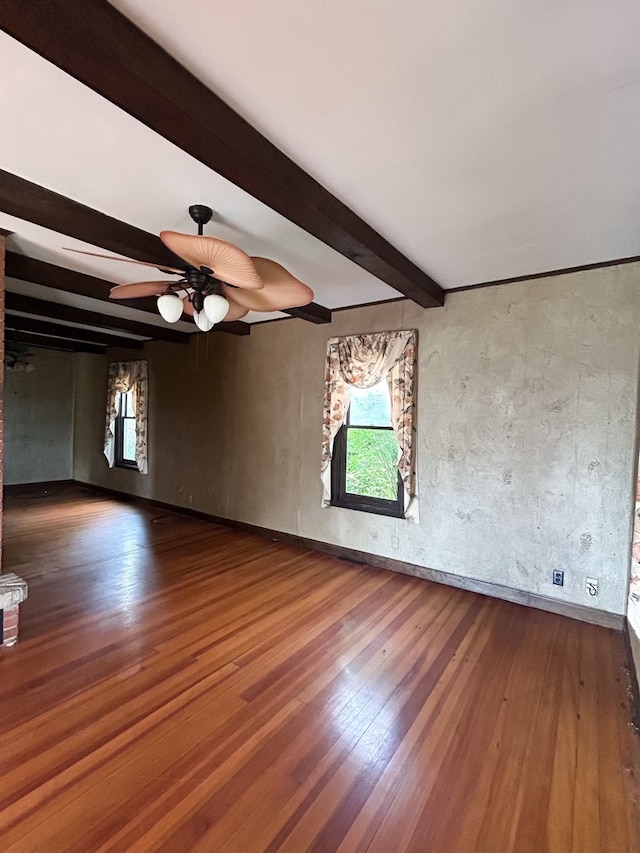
column 127, row 376
column 362, row 361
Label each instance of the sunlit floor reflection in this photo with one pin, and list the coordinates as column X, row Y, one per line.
column 122, row 538
column 364, row 715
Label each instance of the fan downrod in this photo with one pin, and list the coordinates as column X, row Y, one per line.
column 201, row 214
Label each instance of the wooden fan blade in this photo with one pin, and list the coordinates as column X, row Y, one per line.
column 160, row 267
column 281, row 289
column 187, row 307
column 138, row 288
column 235, row 312
column 227, row 262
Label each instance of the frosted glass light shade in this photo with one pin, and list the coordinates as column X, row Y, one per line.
column 202, row 321
column 215, row 307
column 170, row 307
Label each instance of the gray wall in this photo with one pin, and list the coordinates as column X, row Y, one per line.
column 38, row 427
column 526, row 432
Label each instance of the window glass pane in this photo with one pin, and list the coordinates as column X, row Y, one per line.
column 372, row 458
column 129, row 439
column 129, row 413
column 370, row 406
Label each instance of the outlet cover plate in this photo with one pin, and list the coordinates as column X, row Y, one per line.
column 592, row 587
column 558, row 577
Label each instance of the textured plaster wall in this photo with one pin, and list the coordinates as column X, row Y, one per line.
column 633, row 605
column 38, row 427
column 526, row 432
column 187, row 437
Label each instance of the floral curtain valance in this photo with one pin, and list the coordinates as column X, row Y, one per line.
column 362, row 361
column 127, row 376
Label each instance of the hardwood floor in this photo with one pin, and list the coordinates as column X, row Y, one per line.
column 179, row 686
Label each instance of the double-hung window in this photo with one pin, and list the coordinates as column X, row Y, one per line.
column 125, row 437
column 368, row 448
column 125, row 431
column 365, row 455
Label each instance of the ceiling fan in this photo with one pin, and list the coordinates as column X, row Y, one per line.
column 219, row 282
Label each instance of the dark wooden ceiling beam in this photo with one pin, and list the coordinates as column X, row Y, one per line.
column 89, row 336
column 97, row 45
column 44, row 207
column 45, row 342
column 23, row 268
column 49, row 275
column 312, row 312
column 57, row 311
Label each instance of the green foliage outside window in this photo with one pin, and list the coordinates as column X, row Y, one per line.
column 372, row 457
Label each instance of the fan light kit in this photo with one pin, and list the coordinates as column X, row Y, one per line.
column 219, row 282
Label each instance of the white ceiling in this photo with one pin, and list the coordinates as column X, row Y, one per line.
column 484, row 140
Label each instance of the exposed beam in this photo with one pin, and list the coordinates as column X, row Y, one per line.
column 235, row 327
column 45, row 342
column 49, row 275
column 57, row 311
column 312, row 312
column 34, row 203
column 90, row 336
column 97, row 45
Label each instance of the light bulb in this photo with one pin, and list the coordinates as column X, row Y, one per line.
column 170, row 307
column 202, row 321
column 216, row 307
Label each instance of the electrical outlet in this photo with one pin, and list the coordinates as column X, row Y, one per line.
column 558, row 577
column 592, row 587
column 395, row 542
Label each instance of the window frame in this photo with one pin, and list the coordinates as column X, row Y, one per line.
column 340, row 497
column 118, row 434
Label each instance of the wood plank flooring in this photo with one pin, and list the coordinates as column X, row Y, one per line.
column 179, row 686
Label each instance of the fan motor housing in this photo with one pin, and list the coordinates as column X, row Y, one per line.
column 201, row 283
column 197, row 300
column 201, row 214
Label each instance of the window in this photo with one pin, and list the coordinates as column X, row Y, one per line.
column 125, row 431
column 365, row 455
column 368, row 418
column 125, row 434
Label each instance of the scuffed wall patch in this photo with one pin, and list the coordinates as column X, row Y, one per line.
column 586, row 541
